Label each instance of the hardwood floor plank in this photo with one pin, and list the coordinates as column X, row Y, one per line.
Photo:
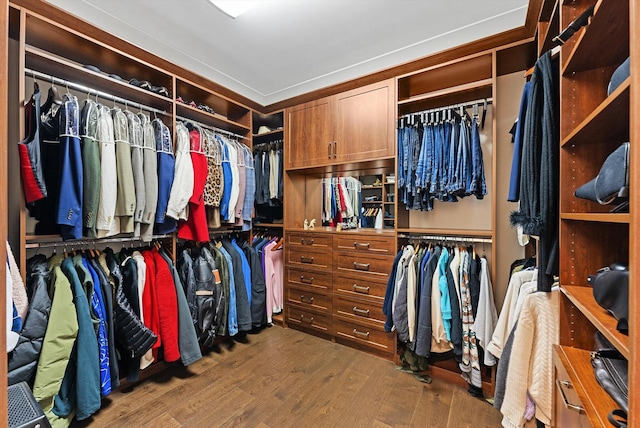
column 286, row 378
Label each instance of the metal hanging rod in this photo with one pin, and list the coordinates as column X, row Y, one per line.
column 447, row 238
column 449, row 107
column 87, row 90
column 91, row 242
column 212, row 128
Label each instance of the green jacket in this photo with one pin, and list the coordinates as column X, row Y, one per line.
column 61, row 334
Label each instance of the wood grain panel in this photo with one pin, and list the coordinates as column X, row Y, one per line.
column 308, row 297
column 309, row 320
column 364, row 334
column 309, row 240
column 318, row 281
column 368, row 266
column 365, row 243
column 358, row 308
column 357, row 286
column 4, row 145
column 308, row 258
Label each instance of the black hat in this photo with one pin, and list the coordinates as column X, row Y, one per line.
column 612, row 181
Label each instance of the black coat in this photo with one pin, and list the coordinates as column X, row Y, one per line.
column 23, row 360
column 258, row 287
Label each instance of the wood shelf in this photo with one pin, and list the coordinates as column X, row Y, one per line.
column 448, row 232
column 62, row 68
column 269, row 225
column 268, row 134
column 216, row 120
column 552, row 28
column 596, row 128
column 596, row 401
column 597, row 217
column 464, row 88
column 582, row 298
column 605, row 41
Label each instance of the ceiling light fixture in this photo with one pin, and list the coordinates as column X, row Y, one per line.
column 233, row 8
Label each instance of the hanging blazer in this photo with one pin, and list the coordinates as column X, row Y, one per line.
column 91, row 165
column 126, row 200
column 137, row 165
column 108, row 175
column 258, row 287
column 150, row 173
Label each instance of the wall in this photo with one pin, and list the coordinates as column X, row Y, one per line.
column 507, row 104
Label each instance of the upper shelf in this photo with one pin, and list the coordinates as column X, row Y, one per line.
column 598, row 126
column 605, row 41
column 188, row 112
column 582, row 298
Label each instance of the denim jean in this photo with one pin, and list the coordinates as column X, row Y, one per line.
column 478, row 186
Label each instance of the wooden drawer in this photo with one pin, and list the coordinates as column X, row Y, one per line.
column 363, row 334
column 307, row 258
column 365, row 243
column 565, row 395
column 368, row 265
column 308, row 240
column 320, row 282
column 309, row 320
column 309, row 298
column 350, row 307
column 356, row 285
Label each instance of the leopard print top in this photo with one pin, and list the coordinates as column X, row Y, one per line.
column 214, row 185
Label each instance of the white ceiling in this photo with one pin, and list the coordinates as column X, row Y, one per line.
column 283, row 48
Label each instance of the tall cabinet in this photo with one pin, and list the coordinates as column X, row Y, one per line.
column 593, row 124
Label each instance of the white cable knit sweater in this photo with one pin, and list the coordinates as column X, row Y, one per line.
column 531, row 361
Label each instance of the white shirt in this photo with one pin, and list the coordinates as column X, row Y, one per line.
column 182, row 187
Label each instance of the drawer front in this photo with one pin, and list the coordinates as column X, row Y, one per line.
column 371, row 266
column 308, row 320
column 307, row 258
column 308, row 298
column 363, row 334
column 350, row 307
column 308, row 240
column 320, row 282
column 357, row 285
column 565, row 396
column 366, row 244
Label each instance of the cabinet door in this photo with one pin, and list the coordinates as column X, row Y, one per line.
column 365, row 123
column 309, row 138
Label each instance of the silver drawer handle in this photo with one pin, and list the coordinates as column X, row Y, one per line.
column 362, row 334
column 361, row 312
column 360, row 266
column 568, row 405
column 306, row 241
column 305, row 299
column 304, row 259
column 360, row 289
column 308, row 320
column 361, row 245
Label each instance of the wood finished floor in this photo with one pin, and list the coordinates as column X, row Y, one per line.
column 285, row 378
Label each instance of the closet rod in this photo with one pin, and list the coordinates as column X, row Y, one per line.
column 88, row 90
column 448, row 238
column 89, row 242
column 452, row 106
column 211, row 128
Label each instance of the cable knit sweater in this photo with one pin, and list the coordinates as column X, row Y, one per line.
column 531, row 361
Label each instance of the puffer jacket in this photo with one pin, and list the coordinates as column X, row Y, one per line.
column 131, row 334
column 23, row 360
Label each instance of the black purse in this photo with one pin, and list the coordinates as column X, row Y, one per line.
column 611, row 371
column 611, row 291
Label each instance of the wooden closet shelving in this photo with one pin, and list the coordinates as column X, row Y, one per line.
column 597, row 126
column 549, row 26
column 592, row 125
column 604, row 42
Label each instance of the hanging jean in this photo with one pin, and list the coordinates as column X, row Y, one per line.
column 478, row 187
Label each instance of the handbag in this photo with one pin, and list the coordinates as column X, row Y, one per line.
column 611, row 291
column 611, row 371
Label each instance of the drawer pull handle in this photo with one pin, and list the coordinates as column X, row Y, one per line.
column 360, row 266
column 305, row 299
column 306, row 241
column 360, row 289
column 308, row 320
column 362, row 334
column 567, row 384
column 329, row 152
column 361, row 245
column 361, row 312
column 306, row 280
column 304, row 259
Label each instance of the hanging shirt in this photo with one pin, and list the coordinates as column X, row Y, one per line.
column 183, row 178
column 126, row 200
column 166, row 166
column 137, row 165
column 150, row 172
